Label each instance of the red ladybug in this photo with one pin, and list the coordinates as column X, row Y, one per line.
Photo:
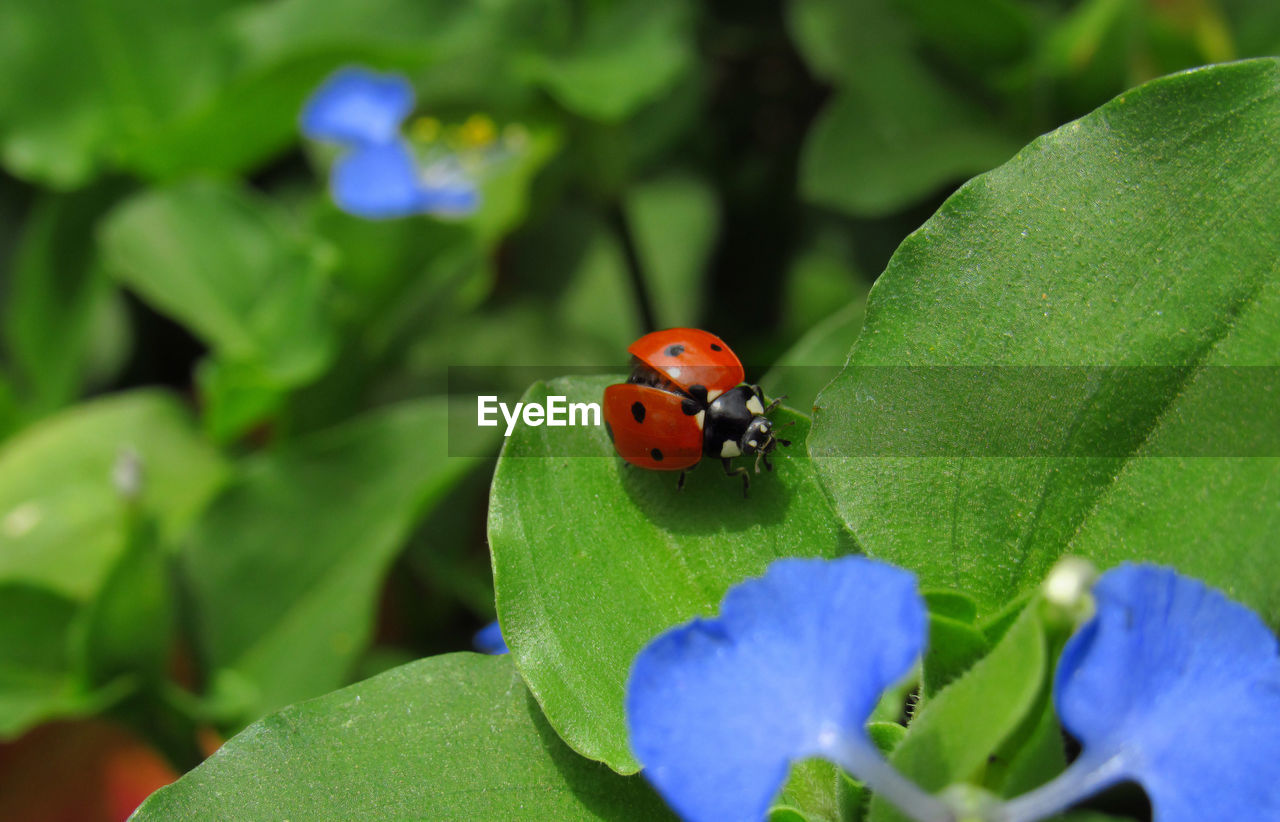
column 686, row 399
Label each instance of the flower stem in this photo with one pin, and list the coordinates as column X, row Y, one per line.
column 866, row 763
column 1085, row 777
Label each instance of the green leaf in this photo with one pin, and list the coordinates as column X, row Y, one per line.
column 229, row 268
column 819, row 278
column 952, row 737
column 953, row 648
column 975, row 33
column 599, row 300
column 1032, row 761
column 56, row 292
column 285, row 567
column 9, row 414
column 629, row 54
column 504, row 193
column 129, row 625
column 951, row 604
column 807, row 367
column 894, row 132
column 817, row 791
column 452, row 737
column 1141, row 234
column 674, row 219
column 100, row 75
column 62, row 523
column 36, row 671
column 592, row 558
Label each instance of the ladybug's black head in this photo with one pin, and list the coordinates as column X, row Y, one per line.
column 759, row 437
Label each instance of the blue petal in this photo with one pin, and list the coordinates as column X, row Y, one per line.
column 792, row 668
column 358, row 107
column 488, row 640
column 383, row 181
column 1178, row 688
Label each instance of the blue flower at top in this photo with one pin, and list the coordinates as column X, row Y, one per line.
column 792, row 668
column 489, row 640
column 384, row 181
column 379, row 177
column 1176, row 687
column 356, row 106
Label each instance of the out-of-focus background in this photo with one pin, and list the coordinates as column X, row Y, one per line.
column 223, row 478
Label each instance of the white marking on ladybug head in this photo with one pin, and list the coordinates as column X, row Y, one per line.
column 711, row 395
column 729, row 450
column 752, row 443
column 754, row 406
column 700, row 418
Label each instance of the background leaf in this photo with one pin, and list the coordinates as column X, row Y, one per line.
column 286, row 566
column 1139, row 235
column 674, row 219
column 629, row 53
column 593, row 558
column 225, row 263
column 56, row 302
column 452, row 737
column 62, row 522
column 101, row 76
column 37, row 678
column 894, row 132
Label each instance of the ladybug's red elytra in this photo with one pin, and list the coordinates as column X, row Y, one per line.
column 685, row 399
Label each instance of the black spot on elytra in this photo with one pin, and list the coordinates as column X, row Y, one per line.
column 690, row 406
column 715, row 347
column 656, row 454
column 608, row 429
column 675, row 350
column 637, row 411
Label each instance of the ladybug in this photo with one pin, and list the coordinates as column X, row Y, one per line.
column 685, row 399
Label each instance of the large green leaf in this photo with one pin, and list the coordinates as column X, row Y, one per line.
column 452, row 737
column 1140, row 235
column 592, row 558
column 62, row 522
column 285, row 567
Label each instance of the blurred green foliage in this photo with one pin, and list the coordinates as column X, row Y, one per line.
column 177, row 284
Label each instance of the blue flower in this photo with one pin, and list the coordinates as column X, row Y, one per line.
column 355, row 106
column 380, row 177
column 1176, row 687
column 718, row 709
column 488, row 640
column 383, row 181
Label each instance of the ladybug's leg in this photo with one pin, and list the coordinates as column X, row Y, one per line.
column 680, row 482
column 763, row 457
column 730, row 470
column 768, row 408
